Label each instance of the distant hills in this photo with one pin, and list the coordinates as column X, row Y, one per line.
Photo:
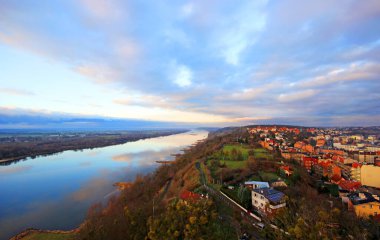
column 67, row 123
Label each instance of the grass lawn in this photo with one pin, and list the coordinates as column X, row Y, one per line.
column 235, row 164
column 262, row 153
column 242, row 148
column 268, row 176
column 50, row 236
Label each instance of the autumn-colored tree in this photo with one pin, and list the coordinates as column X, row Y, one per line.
column 185, row 220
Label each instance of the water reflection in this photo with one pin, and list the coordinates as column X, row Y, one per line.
column 54, row 192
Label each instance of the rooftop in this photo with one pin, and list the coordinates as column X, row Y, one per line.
column 361, row 198
column 272, row 195
column 262, row 184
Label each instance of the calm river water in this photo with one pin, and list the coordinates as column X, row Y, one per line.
column 54, row 192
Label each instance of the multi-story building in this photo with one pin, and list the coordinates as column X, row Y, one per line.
column 267, row 201
column 309, row 162
column 370, row 176
column 356, row 171
column 364, row 204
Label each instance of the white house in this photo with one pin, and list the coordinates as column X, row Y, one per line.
column 267, row 200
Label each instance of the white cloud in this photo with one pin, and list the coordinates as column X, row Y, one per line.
column 187, row 9
column 14, row 91
column 291, row 97
column 103, row 10
column 183, row 76
column 356, row 71
column 241, row 31
column 253, row 93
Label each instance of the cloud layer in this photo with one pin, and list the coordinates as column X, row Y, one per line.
column 308, row 62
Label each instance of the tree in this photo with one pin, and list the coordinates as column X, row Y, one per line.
column 186, row 220
column 239, row 156
column 234, row 154
column 252, row 164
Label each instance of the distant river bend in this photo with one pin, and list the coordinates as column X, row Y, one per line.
column 54, row 192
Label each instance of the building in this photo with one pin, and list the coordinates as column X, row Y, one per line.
column 286, row 170
column 356, row 171
column 370, row 176
column 350, row 186
column 364, row 204
column 365, row 157
column 308, row 148
column 320, row 142
column 279, row 184
column 256, row 185
column 309, row 162
column 334, row 170
column 299, row 145
column 268, row 201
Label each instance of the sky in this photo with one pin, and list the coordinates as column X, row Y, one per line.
column 215, row 63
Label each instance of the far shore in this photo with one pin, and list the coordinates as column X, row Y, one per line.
column 49, row 147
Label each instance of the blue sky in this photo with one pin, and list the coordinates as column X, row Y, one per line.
column 205, row 62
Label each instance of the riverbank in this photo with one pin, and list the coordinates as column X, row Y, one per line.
column 38, row 234
column 27, row 147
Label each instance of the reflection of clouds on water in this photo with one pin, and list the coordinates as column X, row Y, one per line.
column 122, row 158
column 90, row 190
column 146, row 158
column 78, row 179
column 178, row 140
column 92, row 153
column 14, row 169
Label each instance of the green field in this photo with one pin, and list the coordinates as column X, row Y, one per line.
column 262, row 153
column 50, row 236
column 242, row 148
column 234, row 164
column 259, row 153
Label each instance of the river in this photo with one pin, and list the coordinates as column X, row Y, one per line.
column 55, row 191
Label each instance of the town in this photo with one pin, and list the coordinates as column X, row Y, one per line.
column 253, row 170
column 350, row 164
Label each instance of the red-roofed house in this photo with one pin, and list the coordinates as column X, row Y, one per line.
column 349, row 185
column 320, row 142
column 322, row 168
column 338, row 158
column 287, row 170
column 308, row 162
column 299, row 145
column 336, row 179
column 334, row 170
